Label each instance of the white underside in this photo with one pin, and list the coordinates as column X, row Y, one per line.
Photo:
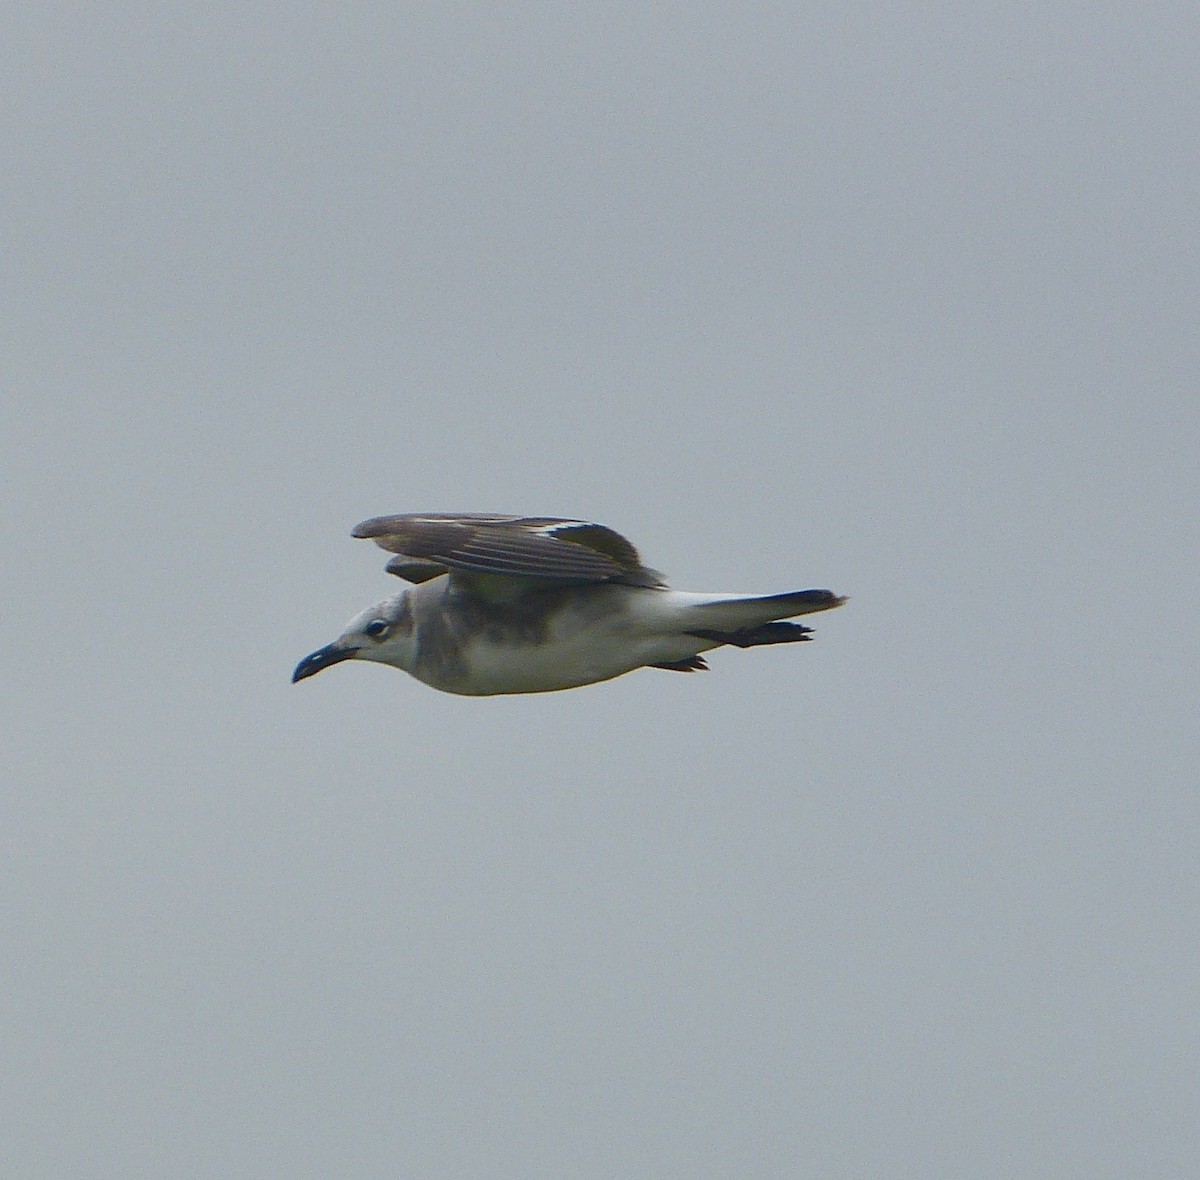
column 649, row 629
column 582, row 659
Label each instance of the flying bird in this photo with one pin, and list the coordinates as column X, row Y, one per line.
column 513, row 604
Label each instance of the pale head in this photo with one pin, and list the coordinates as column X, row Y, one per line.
column 382, row 633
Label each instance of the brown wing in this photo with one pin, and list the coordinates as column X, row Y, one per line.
column 509, row 546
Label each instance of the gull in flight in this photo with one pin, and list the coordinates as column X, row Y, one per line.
column 510, row 604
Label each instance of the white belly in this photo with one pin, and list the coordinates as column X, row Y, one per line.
column 568, row 659
column 596, row 636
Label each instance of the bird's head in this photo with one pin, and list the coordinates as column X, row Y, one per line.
column 383, row 633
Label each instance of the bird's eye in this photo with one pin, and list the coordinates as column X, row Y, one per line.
column 376, row 628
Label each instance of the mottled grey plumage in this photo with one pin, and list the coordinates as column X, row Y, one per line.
column 511, row 604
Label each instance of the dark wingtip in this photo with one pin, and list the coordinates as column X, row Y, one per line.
column 413, row 569
column 826, row 598
column 374, row 527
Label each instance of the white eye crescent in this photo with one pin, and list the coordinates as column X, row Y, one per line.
column 377, row 628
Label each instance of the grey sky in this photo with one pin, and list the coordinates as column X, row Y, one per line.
column 897, row 299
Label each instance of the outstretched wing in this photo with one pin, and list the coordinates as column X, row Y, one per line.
column 564, row 551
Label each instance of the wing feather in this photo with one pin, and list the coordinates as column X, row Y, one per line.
column 510, row 546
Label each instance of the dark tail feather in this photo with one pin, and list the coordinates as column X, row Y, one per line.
column 759, row 636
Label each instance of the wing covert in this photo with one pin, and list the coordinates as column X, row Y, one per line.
column 509, row 546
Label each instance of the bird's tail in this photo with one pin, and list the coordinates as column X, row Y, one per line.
column 754, row 621
column 739, row 612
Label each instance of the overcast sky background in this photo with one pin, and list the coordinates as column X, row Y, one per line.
column 895, row 299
